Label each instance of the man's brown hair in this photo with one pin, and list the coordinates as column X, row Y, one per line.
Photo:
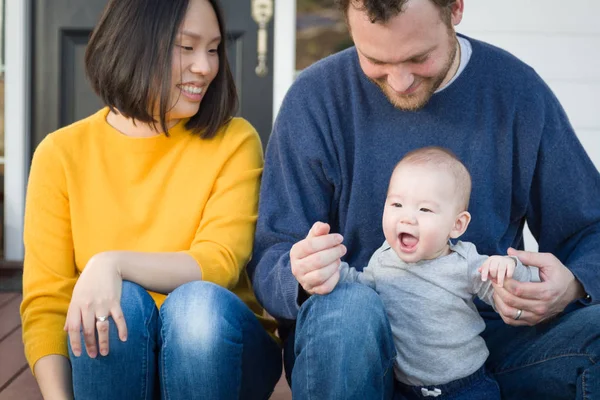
column 382, row 10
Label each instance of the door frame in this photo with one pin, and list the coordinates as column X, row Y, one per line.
column 17, row 126
column 17, row 117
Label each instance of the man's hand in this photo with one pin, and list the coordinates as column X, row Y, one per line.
column 538, row 301
column 497, row 268
column 316, row 259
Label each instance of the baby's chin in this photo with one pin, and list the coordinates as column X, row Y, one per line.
column 408, row 258
column 416, row 256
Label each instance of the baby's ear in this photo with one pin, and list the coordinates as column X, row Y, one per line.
column 460, row 225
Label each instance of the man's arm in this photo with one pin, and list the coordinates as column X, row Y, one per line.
column 563, row 214
column 298, row 186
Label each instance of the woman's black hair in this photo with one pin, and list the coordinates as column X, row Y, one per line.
column 128, row 61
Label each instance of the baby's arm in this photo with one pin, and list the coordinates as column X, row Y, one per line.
column 497, row 268
column 483, row 288
column 350, row 274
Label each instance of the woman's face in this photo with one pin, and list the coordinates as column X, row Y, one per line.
column 195, row 59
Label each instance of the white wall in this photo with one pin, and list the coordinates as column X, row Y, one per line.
column 561, row 41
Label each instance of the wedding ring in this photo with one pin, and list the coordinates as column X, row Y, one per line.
column 105, row 317
column 518, row 315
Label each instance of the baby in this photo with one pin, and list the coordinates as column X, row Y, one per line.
column 427, row 284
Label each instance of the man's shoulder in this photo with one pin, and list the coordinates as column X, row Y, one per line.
column 329, row 70
column 499, row 65
column 317, row 98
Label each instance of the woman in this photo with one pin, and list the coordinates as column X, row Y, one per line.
column 155, row 194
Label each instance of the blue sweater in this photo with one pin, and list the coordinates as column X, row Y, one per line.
column 337, row 138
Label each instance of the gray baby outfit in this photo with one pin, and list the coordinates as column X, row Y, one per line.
column 430, row 307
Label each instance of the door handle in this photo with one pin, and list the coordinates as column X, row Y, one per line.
column 262, row 12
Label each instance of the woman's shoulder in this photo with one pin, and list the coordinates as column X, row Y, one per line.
column 238, row 126
column 57, row 149
column 237, row 131
column 72, row 135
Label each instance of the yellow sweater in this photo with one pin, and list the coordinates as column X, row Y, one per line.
column 92, row 189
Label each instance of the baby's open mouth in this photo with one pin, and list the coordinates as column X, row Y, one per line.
column 408, row 242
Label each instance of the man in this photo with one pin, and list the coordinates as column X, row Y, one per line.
column 410, row 82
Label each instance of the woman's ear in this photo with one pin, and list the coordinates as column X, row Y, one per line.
column 460, row 225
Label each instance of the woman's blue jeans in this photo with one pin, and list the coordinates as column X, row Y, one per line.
column 342, row 348
column 204, row 343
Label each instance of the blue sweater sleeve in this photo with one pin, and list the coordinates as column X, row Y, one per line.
column 297, row 190
column 564, row 203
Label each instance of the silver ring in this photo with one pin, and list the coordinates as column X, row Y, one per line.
column 519, row 312
column 102, row 318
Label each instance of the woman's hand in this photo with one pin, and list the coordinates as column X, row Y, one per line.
column 96, row 296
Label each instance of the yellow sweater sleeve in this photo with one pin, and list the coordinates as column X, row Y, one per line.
column 49, row 273
column 224, row 239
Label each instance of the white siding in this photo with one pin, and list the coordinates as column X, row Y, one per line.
column 561, row 41
column 532, row 16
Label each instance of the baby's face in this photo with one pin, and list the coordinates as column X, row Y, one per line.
column 420, row 212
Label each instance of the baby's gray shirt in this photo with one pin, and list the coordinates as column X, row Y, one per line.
column 430, row 307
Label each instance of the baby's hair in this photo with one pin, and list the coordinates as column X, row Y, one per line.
column 444, row 160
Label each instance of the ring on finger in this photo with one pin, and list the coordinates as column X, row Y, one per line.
column 101, row 318
column 518, row 314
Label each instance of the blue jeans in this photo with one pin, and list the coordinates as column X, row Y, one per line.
column 477, row 386
column 204, row 343
column 342, row 348
column 559, row 359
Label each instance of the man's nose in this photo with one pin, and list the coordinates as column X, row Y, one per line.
column 400, row 78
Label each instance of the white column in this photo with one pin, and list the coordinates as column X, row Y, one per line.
column 16, row 123
column 284, row 59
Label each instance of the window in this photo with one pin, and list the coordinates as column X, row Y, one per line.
column 320, row 31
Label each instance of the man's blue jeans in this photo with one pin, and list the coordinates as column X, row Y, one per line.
column 342, row 348
column 204, row 343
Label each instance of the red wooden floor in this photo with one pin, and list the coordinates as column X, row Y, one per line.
column 16, row 381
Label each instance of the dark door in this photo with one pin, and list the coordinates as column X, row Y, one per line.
column 62, row 95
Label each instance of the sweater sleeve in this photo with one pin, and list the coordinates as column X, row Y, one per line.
column 297, row 190
column 223, row 241
column 49, row 273
column 564, row 212
column 350, row 274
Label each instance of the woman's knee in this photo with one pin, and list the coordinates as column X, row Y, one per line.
column 129, row 367
column 139, row 310
column 136, row 299
column 199, row 316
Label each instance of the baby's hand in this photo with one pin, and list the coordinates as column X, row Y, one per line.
column 497, row 267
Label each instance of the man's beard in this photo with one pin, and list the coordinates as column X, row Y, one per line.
column 428, row 86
